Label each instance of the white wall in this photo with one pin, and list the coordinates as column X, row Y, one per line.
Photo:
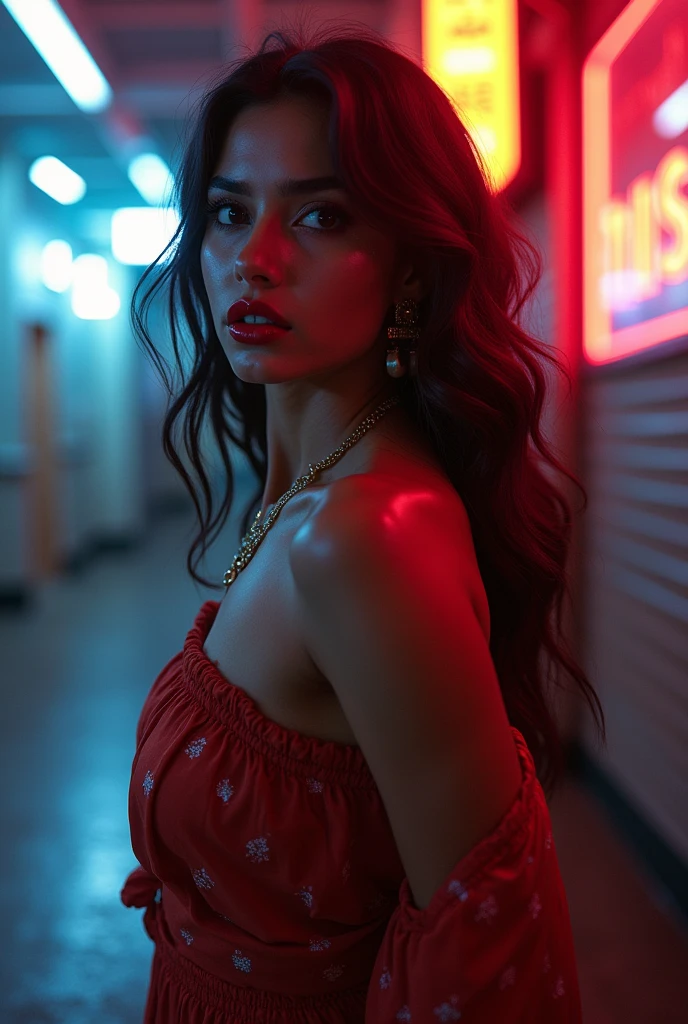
column 13, row 454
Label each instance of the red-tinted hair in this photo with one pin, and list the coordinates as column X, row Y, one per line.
column 409, row 165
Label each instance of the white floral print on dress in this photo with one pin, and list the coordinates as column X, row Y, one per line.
column 487, row 910
column 458, row 890
column 258, row 850
column 445, row 1011
column 186, row 935
column 148, row 782
column 316, row 945
column 194, row 749
column 224, row 790
column 535, row 906
column 306, row 895
column 202, row 879
column 507, row 978
column 242, row 963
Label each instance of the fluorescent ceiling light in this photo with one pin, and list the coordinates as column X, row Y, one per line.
column 90, row 272
column 141, row 233
column 56, row 265
column 102, row 305
column 671, row 118
column 152, row 177
column 92, row 296
column 57, row 180
column 45, row 25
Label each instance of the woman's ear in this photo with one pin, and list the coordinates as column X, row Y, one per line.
column 413, row 281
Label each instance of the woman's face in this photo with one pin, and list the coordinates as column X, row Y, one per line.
column 329, row 274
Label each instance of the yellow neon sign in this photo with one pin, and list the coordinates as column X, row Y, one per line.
column 470, row 48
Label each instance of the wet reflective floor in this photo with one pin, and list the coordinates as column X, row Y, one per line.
column 76, row 670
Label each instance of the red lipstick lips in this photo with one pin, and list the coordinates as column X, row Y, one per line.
column 238, row 310
column 256, row 334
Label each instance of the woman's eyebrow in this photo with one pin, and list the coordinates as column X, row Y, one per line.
column 288, row 187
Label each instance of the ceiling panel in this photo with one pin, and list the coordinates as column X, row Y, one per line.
column 130, row 47
column 144, row 14
column 134, row 4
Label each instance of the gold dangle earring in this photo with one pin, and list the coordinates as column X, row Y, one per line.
column 406, row 319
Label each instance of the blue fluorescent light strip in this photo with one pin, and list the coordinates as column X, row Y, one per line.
column 151, row 176
column 46, row 26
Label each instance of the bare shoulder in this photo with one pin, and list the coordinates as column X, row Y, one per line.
column 361, row 505
column 386, row 598
column 357, row 502
column 362, row 511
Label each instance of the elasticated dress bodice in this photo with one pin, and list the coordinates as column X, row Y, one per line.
column 274, row 890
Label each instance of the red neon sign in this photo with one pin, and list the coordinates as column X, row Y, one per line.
column 635, row 182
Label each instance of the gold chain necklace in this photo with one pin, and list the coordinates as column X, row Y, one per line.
column 252, row 539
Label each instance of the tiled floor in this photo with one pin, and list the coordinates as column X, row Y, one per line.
column 76, row 671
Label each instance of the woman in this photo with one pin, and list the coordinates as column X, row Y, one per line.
column 335, row 798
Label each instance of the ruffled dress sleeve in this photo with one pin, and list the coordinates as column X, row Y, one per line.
column 495, row 942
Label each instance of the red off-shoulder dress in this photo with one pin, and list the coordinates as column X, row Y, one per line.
column 274, row 892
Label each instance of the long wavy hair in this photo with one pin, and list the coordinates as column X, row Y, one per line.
column 408, row 162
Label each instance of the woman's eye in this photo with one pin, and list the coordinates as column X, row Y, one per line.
column 222, row 212
column 224, row 215
column 327, row 211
